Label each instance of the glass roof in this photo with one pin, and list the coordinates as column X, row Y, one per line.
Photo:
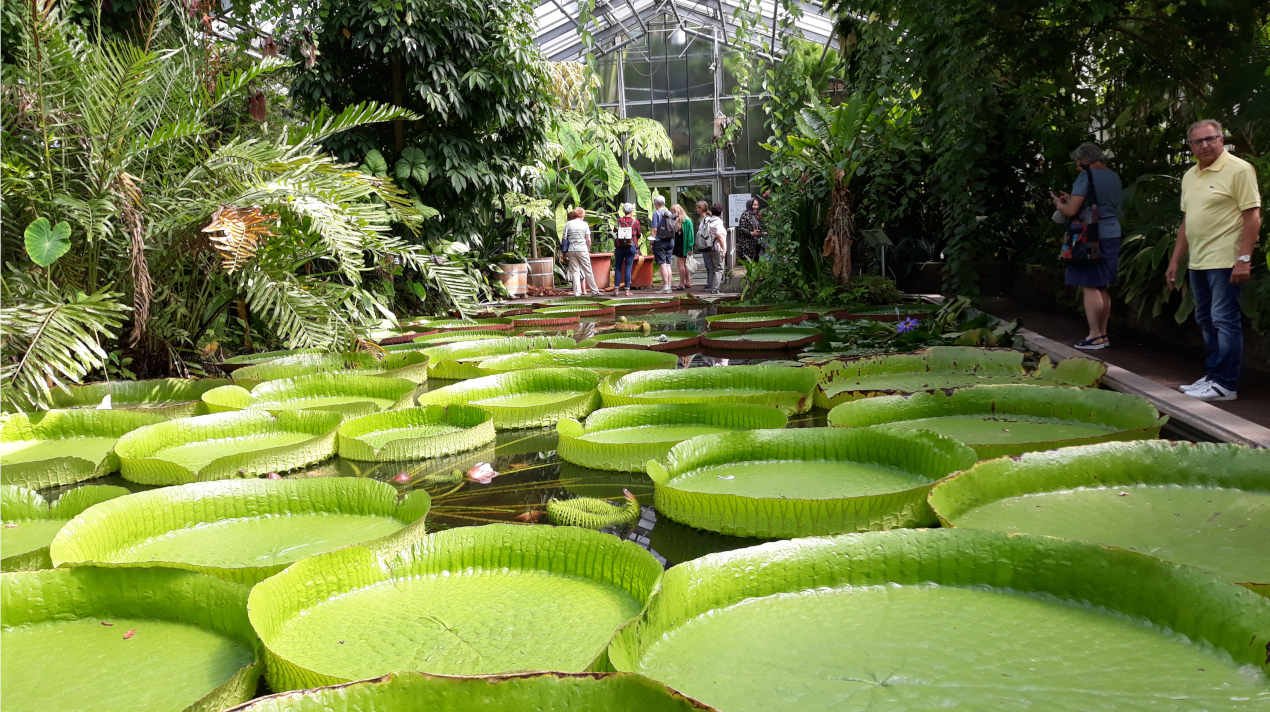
column 615, row 23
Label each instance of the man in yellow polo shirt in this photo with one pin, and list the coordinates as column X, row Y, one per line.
column 1222, row 218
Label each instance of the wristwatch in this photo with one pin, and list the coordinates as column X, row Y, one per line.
column 1244, row 258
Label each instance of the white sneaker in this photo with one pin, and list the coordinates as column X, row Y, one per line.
column 1213, row 392
column 1199, row 383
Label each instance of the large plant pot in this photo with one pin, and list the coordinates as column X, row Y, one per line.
column 514, row 277
column 602, row 267
column 642, row 276
column 542, row 272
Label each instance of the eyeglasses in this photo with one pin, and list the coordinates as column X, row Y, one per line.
column 1205, row 140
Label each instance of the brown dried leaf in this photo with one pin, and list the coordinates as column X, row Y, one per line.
column 236, row 233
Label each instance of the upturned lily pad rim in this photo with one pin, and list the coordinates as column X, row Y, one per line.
column 93, row 537
column 540, row 320
column 492, row 547
column 164, row 594
column 638, row 304
column 55, row 424
column 162, row 395
column 454, row 361
column 580, row 311
column 1177, row 597
column 411, row 365
column 276, row 395
column 477, row 428
column 21, row 504
column 675, row 340
column 261, row 356
column 785, row 386
column 581, row 380
column 799, row 336
column 737, row 321
column 607, row 361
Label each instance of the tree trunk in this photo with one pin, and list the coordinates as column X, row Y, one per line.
column 841, row 232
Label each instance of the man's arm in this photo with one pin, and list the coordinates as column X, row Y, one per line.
column 1179, row 250
column 1242, row 271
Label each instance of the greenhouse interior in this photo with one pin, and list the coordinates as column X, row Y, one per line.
column 634, row 355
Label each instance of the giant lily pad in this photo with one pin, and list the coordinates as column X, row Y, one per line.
column 344, row 393
column 803, row 481
column 458, row 361
column 667, row 341
column 625, row 438
column 1010, row 419
column 409, row 365
column 262, row 356
column 61, row 447
column 943, row 368
column 545, row 321
column 780, row 337
column 540, row 691
column 472, row 600
column 640, row 304
column 930, row 619
column 525, row 399
column 578, row 310
column 490, row 324
column 780, row 386
column 415, row 433
column 226, row 445
column 169, row 397
column 154, row 639
column 1206, row 505
column 241, row 530
column 30, row 521
column 754, row 320
column 602, row 361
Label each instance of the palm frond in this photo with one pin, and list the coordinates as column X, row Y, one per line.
column 325, row 124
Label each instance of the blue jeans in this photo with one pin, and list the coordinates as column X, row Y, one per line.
column 623, row 263
column 1220, row 323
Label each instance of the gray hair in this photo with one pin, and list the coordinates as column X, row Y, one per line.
column 1201, row 123
column 1088, row 153
column 628, row 208
column 658, row 200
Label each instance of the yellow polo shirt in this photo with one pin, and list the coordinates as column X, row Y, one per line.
column 1213, row 200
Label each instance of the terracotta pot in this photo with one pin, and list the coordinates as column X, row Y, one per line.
column 602, row 267
column 642, row 276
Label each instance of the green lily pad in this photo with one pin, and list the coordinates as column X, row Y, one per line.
column 782, row 387
column 944, row 368
column 754, row 320
column 169, row 397
column 926, row 619
column 241, row 530
column 409, row 365
column 125, row 640
column 472, row 600
column 625, row 438
column 780, row 337
column 666, row 341
column 459, row 361
column 531, row 398
column 30, row 522
column 639, row 304
column 804, row 481
column 602, row 361
column 344, row 393
column 226, row 445
column 262, row 356
column 578, row 310
column 1011, row 419
column 1206, row 505
column 415, row 433
column 545, row 321
column 62, row 447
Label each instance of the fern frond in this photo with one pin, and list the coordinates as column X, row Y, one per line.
column 303, row 315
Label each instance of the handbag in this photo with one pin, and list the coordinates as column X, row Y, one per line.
column 1081, row 245
column 691, row 262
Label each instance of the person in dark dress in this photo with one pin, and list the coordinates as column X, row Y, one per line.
column 749, row 232
column 1094, row 279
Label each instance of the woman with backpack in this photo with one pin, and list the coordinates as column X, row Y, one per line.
column 664, row 227
column 685, row 240
column 712, row 242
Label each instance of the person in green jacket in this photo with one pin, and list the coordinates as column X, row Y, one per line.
column 685, row 240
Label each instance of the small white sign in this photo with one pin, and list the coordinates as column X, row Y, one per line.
column 736, row 206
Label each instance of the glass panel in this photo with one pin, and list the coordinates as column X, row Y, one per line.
column 677, row 71
column 637, row 76
column 678, row 128
column 688, row 195
column 701, row 128
column 730, row 62
column 756, row 126
column 643, row 165
column 606, row 70
column 661, row 80
column 662, row 116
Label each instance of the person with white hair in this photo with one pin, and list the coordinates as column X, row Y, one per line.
column 576, row 244
column 624, row 244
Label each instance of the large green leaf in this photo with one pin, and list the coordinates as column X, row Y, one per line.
column 803, row 481
column 755, row 320
column 578, row 310
column 61, row 447
column 227, row 445
column 1011, row 419
column 46, row 243
column 923, row 619
column 524, row 399
column 944, row 367
column 349, row 394
column 169, row 397
column 410, row 365
column 779, row 337
column 262, row 356
column 125, row 640
column 415, row 433
column 457, row 361
column 1206, row 505
column 780, row 386
column 626, row 437
column 472, row 600
column 241, row 530
column 540, row 691
column 667, row 341
column 30, row 521
column 602, row 361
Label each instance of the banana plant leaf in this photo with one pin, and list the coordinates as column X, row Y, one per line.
column 603, row 361
column 924, row 619
column 30, row 522
column 239, row 530
column 62, row 447
column 944, row 367
column 804, row 481
column 1001, row 420
column 458, row 361
column 625, row 438
column 780, row 337
column 227, row 445
column 744, row 321
column 667, row 341
column 169, row 397
column 539, row 691
column 349, row 394
column 532, row 398
column 125, row 640
column 1203, row 504
column 409, row 365
column 779, row 386
column 415, row 433
column 472, row 601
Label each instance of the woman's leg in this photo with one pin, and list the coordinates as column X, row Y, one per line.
column 630, row 268
column 665, row 277
column 1106, row 310
column 682, row 264
column 1093, row 310
column 585, row 261
column 575, row 270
